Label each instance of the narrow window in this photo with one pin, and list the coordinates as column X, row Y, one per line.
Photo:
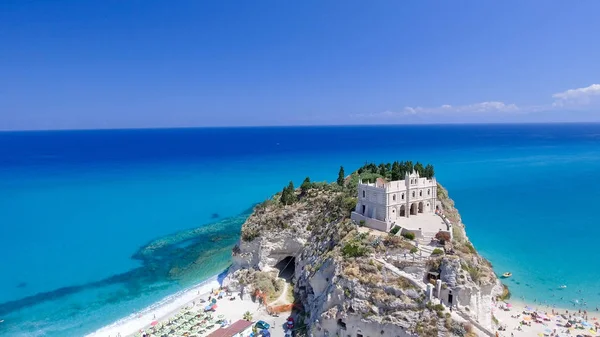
column 413, row 194
column 364, row 194
column 394, row 197
column 428, row 192
column 420, row 193
column 402, row 196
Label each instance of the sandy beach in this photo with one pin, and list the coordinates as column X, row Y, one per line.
column 159, row 311
column 189, row 304
column 523, row 319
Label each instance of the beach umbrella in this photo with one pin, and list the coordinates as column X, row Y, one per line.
column 508, row 305
column 154, row 323
column 528, row 308
column 214, row 300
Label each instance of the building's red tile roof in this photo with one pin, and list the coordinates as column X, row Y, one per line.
column 380, row 182
column 231, row 330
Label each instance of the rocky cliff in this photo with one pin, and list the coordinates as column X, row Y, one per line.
column 349, row 280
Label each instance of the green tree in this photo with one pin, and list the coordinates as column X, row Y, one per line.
column 429, row 172
column 291, row 193
column 420, row 169
column 408, row 165
column 396, row 174
column 288, row 195
column 284, row 196
column 305, row 185
column 382, row 170
column 247, row 316
column 341, row 176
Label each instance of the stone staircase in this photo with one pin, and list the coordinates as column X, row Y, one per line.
column 427, row 237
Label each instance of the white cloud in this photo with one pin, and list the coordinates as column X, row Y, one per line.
column 446, row 109
column 577, row 97
column 477, row 108
column 574, row 99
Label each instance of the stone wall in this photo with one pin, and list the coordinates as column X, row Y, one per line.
column 371, row 223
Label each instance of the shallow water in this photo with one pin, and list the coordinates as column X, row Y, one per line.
column 76, row 206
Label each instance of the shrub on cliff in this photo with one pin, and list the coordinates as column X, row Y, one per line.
column 306, row 185
column 341, row 176
column 437, row 251
column 348, row 205
column 354, row 249
column 288, row 195
column 443, row 237
column 409, row 235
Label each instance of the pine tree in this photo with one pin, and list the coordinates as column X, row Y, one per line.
column 288, row 195
column 341, row 176
column 419, row 168
column 429, row 172
column 408, row 166
column 305, row 185
column 382, row 170
column 284, row 196
column 292, row 193
column 396, row 174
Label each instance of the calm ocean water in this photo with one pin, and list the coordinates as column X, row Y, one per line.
column 78, row 209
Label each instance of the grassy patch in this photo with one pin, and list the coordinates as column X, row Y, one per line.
column 437, row 251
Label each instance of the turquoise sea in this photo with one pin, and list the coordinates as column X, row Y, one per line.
column 96, row 225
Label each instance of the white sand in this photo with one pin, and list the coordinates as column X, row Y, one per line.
column 540, row 329
column 161, row 310
column 166, row 309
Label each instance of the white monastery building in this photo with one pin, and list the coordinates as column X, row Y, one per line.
column 382, row 204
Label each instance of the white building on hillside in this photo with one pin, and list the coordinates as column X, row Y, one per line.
column 383, row 204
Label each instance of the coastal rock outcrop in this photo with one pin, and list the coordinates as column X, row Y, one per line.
column 349, row 280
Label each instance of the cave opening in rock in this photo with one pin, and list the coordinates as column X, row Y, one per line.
column 286, row 267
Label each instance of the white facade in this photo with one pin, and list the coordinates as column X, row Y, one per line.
column 382, row 203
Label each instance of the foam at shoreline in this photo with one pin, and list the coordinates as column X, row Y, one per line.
column 157, row 311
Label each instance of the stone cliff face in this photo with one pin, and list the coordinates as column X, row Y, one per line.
column 469, row 275
column 342, row 279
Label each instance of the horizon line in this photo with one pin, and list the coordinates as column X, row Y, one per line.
column 289, row 126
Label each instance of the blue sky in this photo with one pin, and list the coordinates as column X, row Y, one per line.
column 119, row 64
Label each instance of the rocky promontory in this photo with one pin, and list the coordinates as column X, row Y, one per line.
column 349, row 280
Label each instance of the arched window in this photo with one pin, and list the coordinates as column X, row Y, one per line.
column 420, row 193
column 428, row 192
column 364, row 194
column 402, row 196
column 413, row 194
column 394, row 197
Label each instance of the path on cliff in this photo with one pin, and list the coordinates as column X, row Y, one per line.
column 461, row 316
column 283, row 297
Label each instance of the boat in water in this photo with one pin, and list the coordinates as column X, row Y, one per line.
column 562, row 287
column 507, row 274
